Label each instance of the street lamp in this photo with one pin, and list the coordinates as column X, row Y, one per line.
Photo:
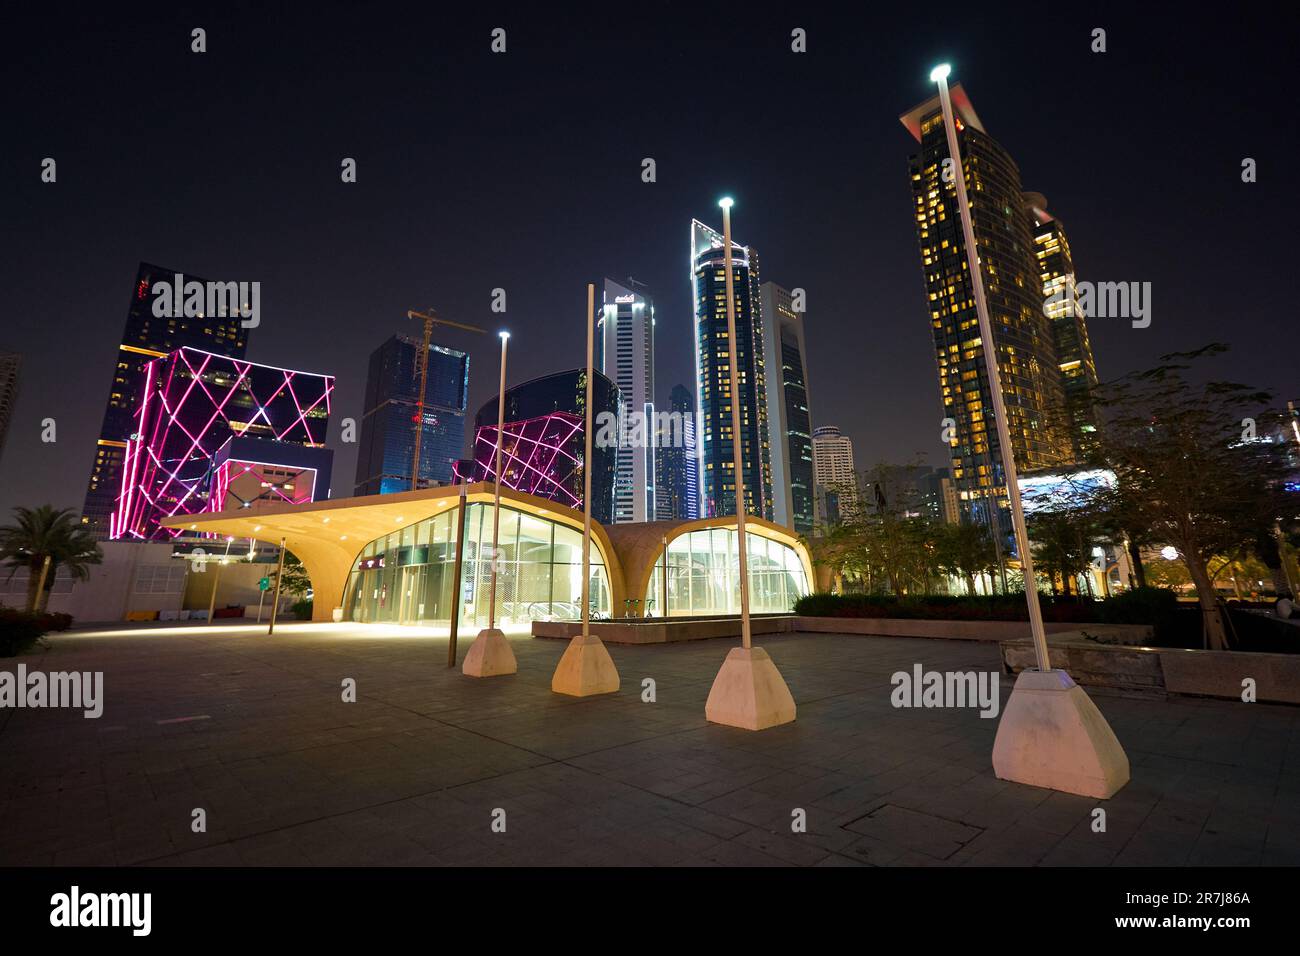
column 490, row 654
column 749, row 691
column 586, row 669
column 1051, row 734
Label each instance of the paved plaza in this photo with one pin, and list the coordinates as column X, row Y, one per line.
column 252, row 730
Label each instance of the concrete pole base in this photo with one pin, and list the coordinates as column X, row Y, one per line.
column 586, row 669
column 490, row 655
column 1052, row 735
column 749, row 692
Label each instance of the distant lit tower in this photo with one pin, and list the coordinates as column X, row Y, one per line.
column 392, row 407
column 835, row 476
column 712, row 376
column 1069, row 324
column 145, row 338
column 1031, row 376
column 789, row 409
column 625, row 353
column 678, row 474
column 10, row 363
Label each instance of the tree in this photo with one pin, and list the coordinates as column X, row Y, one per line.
column 296, row 580
column 964, row 551
column 49, row 533
column 1187, row 473
column 1062, row 545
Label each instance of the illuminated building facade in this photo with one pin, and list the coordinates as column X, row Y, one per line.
column 625, row 353
column 246, row 470
column 1069, row 324
column 391, row 559
column 835, row 476
column 678, row 464
column 387, row 442
column 192, row 404
column 146, row 337
column 1030, row 370
column 544, row 443
column 713, row 376
column 789, row 414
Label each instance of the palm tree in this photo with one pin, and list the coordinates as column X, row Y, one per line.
column 47, row 534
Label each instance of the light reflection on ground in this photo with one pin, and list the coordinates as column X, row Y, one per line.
column 288, row 629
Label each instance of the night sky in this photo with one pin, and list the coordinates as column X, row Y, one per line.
column 522, row 171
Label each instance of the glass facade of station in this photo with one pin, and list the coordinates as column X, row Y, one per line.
column 704, row 575
column 406, row 577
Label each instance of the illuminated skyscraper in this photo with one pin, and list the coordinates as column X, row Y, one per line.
column 181, row 459
column 789, row 414
column 835, row 476
column 392, row 406
column 625, row 353
column 713, row 376
column 1069, row 324
column 145, row 338
column 1030, row 369
column 678, row 477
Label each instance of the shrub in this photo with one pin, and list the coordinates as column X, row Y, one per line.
column 994, row 607
column 54, row 621
column 20, row 630
column 1155, row 606
column 302, row 610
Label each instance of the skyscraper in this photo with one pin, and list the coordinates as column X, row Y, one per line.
column 835, row 476
column 10, row 363
column 1030, row 369
column 625, row 353
column 713, row 371
column 678, row 477
column 1069, row 324
column 789, row 414
column 145, row 338
column 392, row 406
column 180, row 459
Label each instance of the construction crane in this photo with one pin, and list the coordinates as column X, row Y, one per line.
column 430, row 319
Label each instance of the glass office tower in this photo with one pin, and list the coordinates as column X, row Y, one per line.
column 624, row 353
column 713, row 371
column 391, row 407
column 789, row 414
column 678, row 463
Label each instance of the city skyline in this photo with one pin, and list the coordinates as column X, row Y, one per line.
column 331, row 308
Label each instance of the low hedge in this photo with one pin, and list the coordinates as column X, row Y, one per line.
column 20, row 630
column 302, row 610
column 1139, row 606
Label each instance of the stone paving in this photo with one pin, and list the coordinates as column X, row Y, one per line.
column 252, row 729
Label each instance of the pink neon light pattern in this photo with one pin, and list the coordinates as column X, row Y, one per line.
column 537, row 457
column 194, row 401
